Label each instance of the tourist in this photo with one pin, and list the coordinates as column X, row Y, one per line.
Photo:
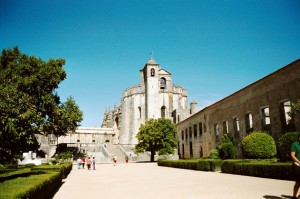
column 115, row 160
column 79, row 163
column 94, row 163
column 89, row 162
column 126, row 160
column 83, row 162
column 295, row 155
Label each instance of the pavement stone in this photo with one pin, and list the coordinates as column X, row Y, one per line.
column 149, row 181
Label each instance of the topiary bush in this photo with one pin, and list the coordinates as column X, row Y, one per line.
column 258, row 145
column 284, row 145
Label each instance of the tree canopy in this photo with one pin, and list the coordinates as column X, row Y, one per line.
column 29, row 104
column 157, row 135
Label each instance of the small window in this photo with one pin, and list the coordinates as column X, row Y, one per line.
column 182, row 135
column 249, row 122
column 236, row 125
column 287, row 121
column 266, row 116
column 265, row 121
column 190, row 132
column 162, row 83
column 163, row 112
column 195, row 130
column 186, row 134
column 152, row 72
column 286, row 107
column 200, row 128
column 225, row 127
column 217, row 132
column 140, row 112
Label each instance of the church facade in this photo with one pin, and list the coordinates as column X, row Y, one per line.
column 155, row 97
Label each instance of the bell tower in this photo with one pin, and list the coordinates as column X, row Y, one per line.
column 151, row 81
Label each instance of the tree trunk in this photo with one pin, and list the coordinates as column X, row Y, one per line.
column 152, row 155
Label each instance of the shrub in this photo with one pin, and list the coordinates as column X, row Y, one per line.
column 258, row 145
column 214, row 154
column 226, row 148
column 227, row 151
column 284, row 145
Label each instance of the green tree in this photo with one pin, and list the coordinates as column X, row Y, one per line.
column 157, row 135
column 28, row 102
column 295, row 109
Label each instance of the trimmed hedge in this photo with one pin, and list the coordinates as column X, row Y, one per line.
column 37, row 182
column 193, row 164
column 64, row 168
column 34, row 186
column 18, row 173
column 258, row 168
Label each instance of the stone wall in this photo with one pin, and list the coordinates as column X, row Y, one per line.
column 261, row 106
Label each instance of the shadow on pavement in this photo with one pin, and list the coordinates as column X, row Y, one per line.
column 277, row 197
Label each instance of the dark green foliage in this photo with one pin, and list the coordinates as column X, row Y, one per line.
column 227, row 151
column 258, row 145
column 265, row 169
column 157, row 135
column 37, row 182
column 284, row 145
column 193, row 164
column 226, row 148
column 29, row 104
column 214, row 154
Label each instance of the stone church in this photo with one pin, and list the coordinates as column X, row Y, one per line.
column 155, row 97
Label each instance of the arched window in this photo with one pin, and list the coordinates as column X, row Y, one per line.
column 162, row 83
column 152, row 72
column 140, row 112
column 163, row 111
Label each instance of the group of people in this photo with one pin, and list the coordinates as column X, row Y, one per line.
column 114, row 158
column 89, row 162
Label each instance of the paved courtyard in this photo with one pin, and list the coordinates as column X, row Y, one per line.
column 149, row 181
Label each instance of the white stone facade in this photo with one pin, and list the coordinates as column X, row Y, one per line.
column 155, row 97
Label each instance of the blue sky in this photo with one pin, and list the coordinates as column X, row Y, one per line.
column 212, row 48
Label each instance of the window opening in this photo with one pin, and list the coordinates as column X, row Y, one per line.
column 287, row 119
column 236, row 125
column 191, row 149
column 195, row 131
column 217, row 132
column 152, row 71
column 225, row 127
column 200, row 128
column 249, row 122
column 163, row 112
column 265, row 112
column 162, row 83
column 140, row 112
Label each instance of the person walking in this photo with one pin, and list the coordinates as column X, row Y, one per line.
column 126, row 160
column 295, row 155
column 94, row 163
column 89, row 162
column 115, row 160
column 83, row 162
column 79, row 163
